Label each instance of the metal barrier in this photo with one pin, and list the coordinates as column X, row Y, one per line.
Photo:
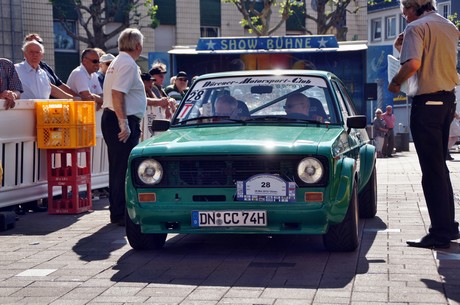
column 24, row 165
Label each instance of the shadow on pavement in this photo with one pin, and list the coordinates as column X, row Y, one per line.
column 449, row 269
column 42, row 223
column 248, row 261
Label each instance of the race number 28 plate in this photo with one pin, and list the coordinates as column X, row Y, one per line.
column 265, row 187
column 229, row 218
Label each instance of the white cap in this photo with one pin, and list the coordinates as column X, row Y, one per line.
column 107, row 57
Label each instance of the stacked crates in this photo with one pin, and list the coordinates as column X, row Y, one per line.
column 63, row 125
column 67, row 130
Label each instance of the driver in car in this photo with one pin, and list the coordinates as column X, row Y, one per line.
column 226, row 105
column 297, row 106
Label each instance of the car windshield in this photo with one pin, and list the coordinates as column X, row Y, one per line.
column 244, row 99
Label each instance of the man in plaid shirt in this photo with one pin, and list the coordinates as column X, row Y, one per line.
column 10, row 84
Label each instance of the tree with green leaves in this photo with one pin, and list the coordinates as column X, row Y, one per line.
column 95, row 16
column 327, row 14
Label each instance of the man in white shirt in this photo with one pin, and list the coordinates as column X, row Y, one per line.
column 34, row 79
column 124, row 106
column 83, row 78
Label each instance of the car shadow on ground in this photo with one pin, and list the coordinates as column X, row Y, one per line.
column 249, row 261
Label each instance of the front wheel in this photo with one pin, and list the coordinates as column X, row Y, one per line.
column 343, row 237
column 141, row 241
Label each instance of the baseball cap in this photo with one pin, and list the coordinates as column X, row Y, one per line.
column 157, row 70
column 146, row 76
column 181, row 74
column 106, row 57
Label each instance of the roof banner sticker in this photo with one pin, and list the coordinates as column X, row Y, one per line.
column 260, row 80
column 267, row 43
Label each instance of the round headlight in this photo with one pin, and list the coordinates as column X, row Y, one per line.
column 310, row 170
column 150, row 171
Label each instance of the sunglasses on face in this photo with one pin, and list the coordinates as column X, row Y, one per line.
column 94, row 61
column 107, row 63
column 290, row 106
column 182, row 79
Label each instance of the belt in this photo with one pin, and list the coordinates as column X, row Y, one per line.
column 442, row 92
column 129, row 117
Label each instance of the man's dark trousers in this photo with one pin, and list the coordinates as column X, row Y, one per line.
column 118, row 154
column 389, row 143
column 431, row 115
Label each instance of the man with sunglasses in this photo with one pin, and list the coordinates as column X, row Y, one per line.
column 179, row 88
column 428, row 58
column 84, row 80
column 297, row 106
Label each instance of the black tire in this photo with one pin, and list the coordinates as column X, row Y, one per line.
column 343, row 237
column 368, row 198
column 141, row 241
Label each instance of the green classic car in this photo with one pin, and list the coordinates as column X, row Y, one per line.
column 255, row 152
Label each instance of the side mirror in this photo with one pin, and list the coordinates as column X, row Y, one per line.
column 357, row 121
column 159, row 125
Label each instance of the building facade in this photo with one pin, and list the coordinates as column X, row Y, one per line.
column 182, row 22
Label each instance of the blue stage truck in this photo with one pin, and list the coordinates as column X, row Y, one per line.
column 347, row 60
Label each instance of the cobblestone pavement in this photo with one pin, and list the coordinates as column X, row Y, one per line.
column 81, row 259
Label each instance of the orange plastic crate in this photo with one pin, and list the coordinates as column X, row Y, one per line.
column 66, row 136
column 71, row 112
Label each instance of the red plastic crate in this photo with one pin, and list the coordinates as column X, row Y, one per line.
column 71, row 201
column 70, row 171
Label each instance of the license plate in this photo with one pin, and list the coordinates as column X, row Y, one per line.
column 229, row 218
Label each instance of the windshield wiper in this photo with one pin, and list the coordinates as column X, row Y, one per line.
column 220, row 117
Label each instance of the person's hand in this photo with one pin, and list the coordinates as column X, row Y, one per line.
column 394, row 87
column 398, row 42
column 164, row 102
column 125, row 132
column 9, row 103
column 9, row 97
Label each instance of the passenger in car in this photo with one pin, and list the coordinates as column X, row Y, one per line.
column 297, row 106
column 226, row 105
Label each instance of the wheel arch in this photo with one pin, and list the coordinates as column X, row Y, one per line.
column 367, row 160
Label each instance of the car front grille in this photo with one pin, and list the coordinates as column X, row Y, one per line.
column 224, row 171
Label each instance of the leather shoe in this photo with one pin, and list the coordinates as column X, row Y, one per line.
column 430, row 242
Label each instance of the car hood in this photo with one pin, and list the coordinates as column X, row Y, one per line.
column 240, row 140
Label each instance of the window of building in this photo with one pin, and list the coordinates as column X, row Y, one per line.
column 296, row 22
column 209, row 31
column 402, row 23
column 376, row 29
column 444, row 9
column 390, row 27
column 166, row 12
column 210, row 15
column 63, row 42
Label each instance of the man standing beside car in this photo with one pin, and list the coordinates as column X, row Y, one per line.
column 124, row 107
column 428, row 59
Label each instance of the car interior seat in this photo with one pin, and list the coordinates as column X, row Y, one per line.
column 317, row 109
column 242, row 110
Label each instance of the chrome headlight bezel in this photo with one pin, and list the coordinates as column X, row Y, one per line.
column 310, row 170
column 149, row 171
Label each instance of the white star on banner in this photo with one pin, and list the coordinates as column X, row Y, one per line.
column 210, row 45
column 322, row 42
